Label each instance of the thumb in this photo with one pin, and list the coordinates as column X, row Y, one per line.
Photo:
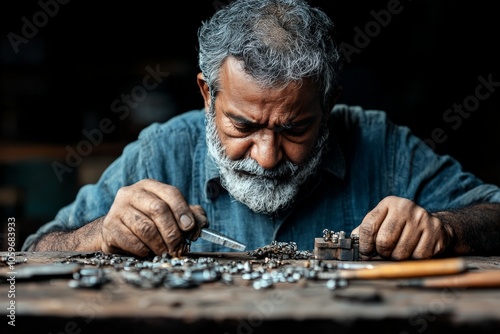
column 201, row 222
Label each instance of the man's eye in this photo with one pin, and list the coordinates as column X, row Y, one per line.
column 244, row 129
column 296, row 132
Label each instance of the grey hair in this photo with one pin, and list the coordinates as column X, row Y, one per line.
column 277, row 41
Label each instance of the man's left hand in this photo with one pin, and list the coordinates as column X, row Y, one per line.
column 398, row 229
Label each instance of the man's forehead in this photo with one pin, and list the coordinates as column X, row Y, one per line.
column 233, row 70
column 239, row 89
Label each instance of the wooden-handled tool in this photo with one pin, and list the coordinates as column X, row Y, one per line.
column 404, row 269
column 481, row 279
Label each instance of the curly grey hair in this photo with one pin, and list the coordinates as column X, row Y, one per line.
column 277, row 41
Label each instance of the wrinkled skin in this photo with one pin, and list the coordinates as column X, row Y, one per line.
column 148, row 216
column 398, row 229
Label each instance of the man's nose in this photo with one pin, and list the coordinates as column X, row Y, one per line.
column 266, row 149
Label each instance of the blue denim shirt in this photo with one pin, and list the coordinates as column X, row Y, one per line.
column 368, row 159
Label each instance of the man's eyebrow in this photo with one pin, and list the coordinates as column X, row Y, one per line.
column 286, row 126
column 240, row 119
column 302, row 122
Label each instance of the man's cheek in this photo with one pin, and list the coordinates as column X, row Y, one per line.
column 236, row 149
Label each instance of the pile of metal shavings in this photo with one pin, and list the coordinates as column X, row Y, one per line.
column 281, row 251
column 191, row 272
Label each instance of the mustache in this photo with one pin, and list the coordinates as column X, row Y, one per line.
column 250, row 166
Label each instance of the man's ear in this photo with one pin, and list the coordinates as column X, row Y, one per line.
column 205, row 91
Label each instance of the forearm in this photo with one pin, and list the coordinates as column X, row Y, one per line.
column 475, row 230
column 85, row 239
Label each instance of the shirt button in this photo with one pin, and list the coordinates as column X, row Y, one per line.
column 212, row 189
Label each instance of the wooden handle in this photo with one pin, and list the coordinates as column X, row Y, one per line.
column 484, row 279
column 406, row 269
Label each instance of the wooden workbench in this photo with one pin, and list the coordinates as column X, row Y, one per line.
column 51, row 306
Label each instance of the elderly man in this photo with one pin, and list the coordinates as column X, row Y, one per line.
column 272, row 157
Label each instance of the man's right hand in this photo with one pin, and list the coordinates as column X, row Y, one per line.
column 148, row 216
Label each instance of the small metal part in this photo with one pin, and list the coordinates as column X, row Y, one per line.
column 178, row 282
column 334, row 284
column 89, row 278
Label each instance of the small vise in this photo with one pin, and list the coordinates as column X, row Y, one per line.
column 336, row 246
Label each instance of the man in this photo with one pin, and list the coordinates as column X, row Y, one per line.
column 271, row 157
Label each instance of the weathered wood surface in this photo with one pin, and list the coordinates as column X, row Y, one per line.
column 51, row 306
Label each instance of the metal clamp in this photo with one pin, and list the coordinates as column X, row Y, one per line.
column 336, row 246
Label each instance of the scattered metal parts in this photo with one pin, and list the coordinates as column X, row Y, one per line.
column 92, row 278
column 281, row 251
column 164, row 271
column 336, row 246
column 334, row 284
column 179, row 282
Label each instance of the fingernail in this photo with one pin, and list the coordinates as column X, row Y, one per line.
column 186, row 222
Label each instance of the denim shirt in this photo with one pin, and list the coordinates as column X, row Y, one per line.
column 368, row 158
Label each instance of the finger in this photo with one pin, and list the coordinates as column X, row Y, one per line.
column 369, row 228
column 161, row 203
column 424, row 249
column 178, row 206
column 146, row 230
column 433, row 241
column 407, row 243
column 133, row 206
column 372, row 256
column 174, row 218
column 389, row 234
column 118, row 239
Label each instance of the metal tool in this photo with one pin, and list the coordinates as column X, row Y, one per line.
column 221, row 239
column 202, row 231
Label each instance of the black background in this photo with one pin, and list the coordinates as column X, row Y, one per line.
column 425, row 60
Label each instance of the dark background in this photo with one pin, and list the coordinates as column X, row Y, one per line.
column 86, row 54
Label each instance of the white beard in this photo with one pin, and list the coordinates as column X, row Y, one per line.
column 264, row 190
